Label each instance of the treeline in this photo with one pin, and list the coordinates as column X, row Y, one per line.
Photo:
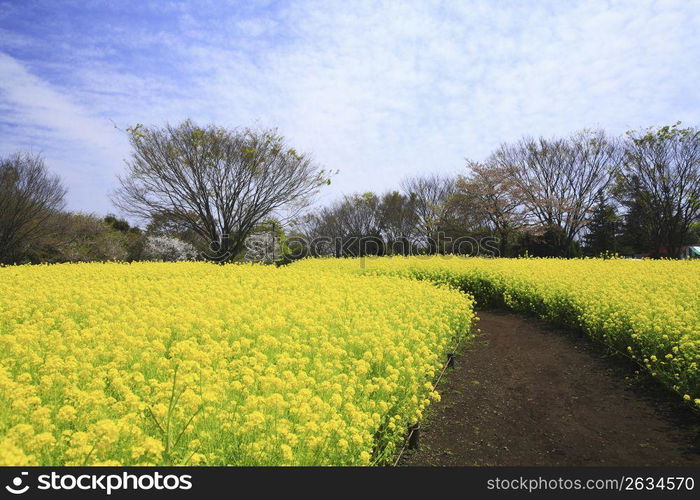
column 201, row 192
column 587, row 194
column 210, row 192
column 35, row 227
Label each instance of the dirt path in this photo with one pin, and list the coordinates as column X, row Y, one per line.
column 524, row 394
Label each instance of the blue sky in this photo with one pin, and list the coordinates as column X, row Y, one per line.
column 377, row 90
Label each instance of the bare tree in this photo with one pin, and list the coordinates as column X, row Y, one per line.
column 431, row 194
column 490, row 195
column 29, row 197
column 559, row 180
column 318, row 231
column 358, row 215
column 662, row 179
column 361, row 224
column 397, row 220
column 219, row 183
column 348, row 227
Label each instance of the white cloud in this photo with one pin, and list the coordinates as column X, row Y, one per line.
column 38, row 103
column 79, row 145
column 377, row 90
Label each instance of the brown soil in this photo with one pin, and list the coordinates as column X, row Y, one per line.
column 524, row 394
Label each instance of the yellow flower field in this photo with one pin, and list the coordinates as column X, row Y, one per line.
column 325, row 361
column 648, row 310
column 196, row 363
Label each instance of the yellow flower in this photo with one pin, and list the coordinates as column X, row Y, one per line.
column 66, row 414
column 152, row 446
column 225, row 365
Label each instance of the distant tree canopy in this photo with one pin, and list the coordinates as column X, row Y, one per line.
column 431, row 194
column 603, row 229
column 217, row 182
column 120, row 224
column 82, row 237
column 491, row 197
column 209, row 192
column 29, row 198
column 336, row 228
column 586, row 193
column 559, row 180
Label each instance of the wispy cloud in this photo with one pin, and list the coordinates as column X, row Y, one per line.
column 378, row 90
column 35, row 103
column 38, row 117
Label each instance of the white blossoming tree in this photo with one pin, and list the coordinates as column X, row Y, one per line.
column 263, row 247
column 168, row 248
